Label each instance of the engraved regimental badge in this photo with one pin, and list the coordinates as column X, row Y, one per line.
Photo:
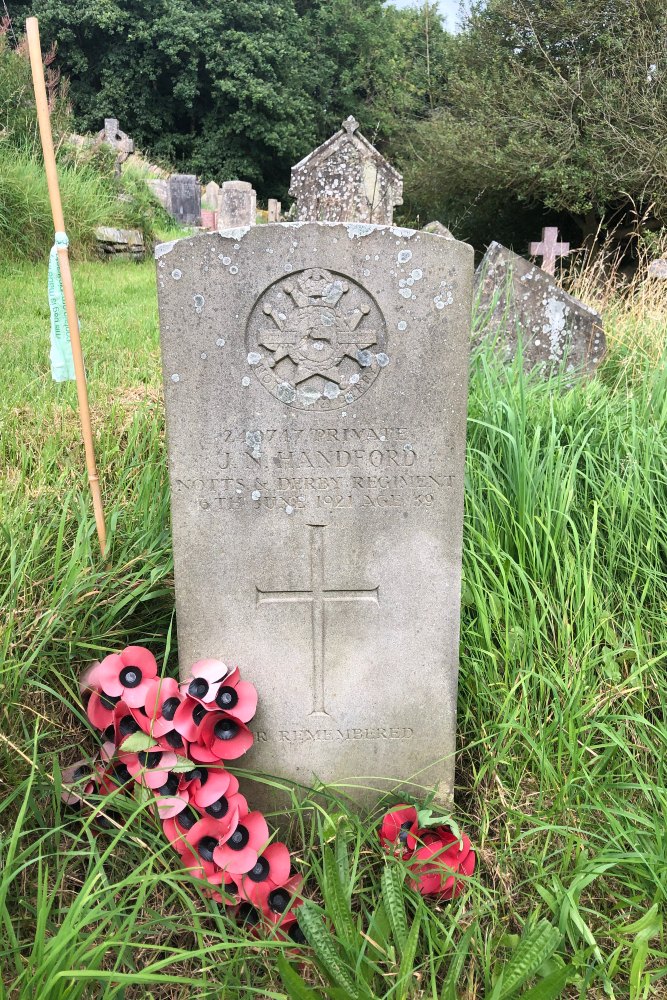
column 316, row 339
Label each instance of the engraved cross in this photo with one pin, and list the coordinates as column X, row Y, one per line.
column 318, row 596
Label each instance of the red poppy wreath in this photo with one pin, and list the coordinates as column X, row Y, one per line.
column 173, row 741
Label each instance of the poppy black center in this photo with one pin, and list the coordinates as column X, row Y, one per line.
column 198, row 687
column 82, row 771
column 226, row 698
column 174, row 739
column 296, row 934
column 198, row 713
column 108, row 700
column 170, row 786
column 278, row 900
column 247, row 914
column 206, row 846
column 122, row 774
column 226, row 729
column 128, row 726
column 186, row 819
column 169, row 708
column 218, row 808
column 151, row 759
column 405, row 831
column 199, row 774
column 239, row 838
column 130, row 677
column 109, row 732
column 260, row 872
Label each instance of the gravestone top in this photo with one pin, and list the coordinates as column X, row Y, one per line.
column 317, row 499
column 184, row 202
column 658, row 269
column 273, row 210
column 119, row 141
column 237, row 205
column 438, row 229
column 346, row 179
column 521, row 304
column 549, row 249
column 211, row 195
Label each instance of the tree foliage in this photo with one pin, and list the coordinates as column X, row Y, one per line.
column 559, row 104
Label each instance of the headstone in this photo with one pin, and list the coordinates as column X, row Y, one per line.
column 346, row 180
column 658, row 269
column 549, row 249
column 237, row 205
column 518, row 302
column 274, row 210
column 124, row 242
column 185, row 199
column 119, row 141
column 211, row 195
column 437, row 228
column 315, row 383
column 160, row 189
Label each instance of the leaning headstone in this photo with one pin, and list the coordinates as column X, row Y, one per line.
column 160, row 189
column 658, row 269
column 119, row 141
column 273, row 210
column 315, row 383
column 517, row 302
column 185, row 199
column 120, row 242
column 237, row 205
column 437, row 228
column 346, row 180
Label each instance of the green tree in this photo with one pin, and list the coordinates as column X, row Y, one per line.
column 558, row 105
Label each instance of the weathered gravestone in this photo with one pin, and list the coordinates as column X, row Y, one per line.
column 346, row 180
column 437, row 228
column 520, row 303
column 211, row 195
column 185, row 199
column 658, row 269
column 273, row 210
column 315, row 384
column 160, row 189
column 237, row 205
column 119, row 141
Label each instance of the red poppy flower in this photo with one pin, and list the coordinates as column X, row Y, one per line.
column 214, row 793
column 204, row 840
column 149, row 767
column 188, row 719
column 163, row 698
column 236, row 697
column 100, row 709
column 79, row 780
column 126, row 723
column 176, row 829
column 239, row 853
column 125, row 675
column 207, row 676
column 437, row 864
column 398, row 829
column 270, row 872
column 224, row 736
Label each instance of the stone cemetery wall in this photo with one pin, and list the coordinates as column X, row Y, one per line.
column 520, row 303
column 315, row 384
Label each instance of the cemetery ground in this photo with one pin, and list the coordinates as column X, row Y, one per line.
column 563, row 692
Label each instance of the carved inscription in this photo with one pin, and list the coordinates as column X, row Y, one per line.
column 316, row 340
column 316, row 470
column 334, row 735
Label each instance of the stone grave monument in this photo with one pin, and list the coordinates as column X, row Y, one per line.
column 517, row 302
column 160, row 188
column 273, row 213
column 315, row 382
column 549, row 249
column 346, row 180
column 237, row 205
column 438, row 228
column 119, row 141
column 185, row 199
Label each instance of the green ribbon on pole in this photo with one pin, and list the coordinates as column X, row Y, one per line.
column 62, row 362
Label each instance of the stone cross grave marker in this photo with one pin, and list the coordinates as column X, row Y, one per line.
column 315, row 384
column 185, row 199
column 273, row 210
column 346, row 179
column 119, row 141
column 549, row 249
column 237, row 205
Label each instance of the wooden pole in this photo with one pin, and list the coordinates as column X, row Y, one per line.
column 34, row 48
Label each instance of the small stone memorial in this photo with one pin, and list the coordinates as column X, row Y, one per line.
column 273, row 210
column 185, row 199
column 346, row 180
column 315, row 385
column 517, row 302
column 211, row 195
column 160, row 188
column 237, row 205
column 119, row 141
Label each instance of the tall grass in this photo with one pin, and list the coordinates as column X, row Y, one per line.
column 562, row 703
